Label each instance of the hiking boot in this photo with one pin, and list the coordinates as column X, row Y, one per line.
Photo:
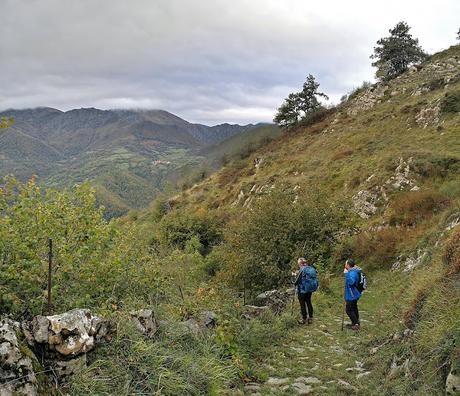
column 302, row 321
column 356, row 327
column 310, row 321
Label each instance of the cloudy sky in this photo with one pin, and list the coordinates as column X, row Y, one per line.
column 207, row 61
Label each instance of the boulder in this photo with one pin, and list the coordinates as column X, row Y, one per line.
column 276, row 300
column 17, row 375
column 453, row 379
column 69, row 334
column 66, row 338
column 253, row 311
column 453, row 384
column 145, row 322
column 365, row 203
column 206, row 321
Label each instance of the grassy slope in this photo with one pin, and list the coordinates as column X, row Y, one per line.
column 340, row 153
column 241, row 144
column 337, row 156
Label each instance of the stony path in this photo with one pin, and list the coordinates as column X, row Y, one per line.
column 317, row 359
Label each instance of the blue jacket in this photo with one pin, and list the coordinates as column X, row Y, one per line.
column 351, row 281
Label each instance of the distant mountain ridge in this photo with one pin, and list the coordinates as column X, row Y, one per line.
column 119, row 150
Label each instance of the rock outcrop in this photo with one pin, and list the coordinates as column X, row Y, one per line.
column 17, row 376
column 65, row 339
column 409, row 263
column 276, row 300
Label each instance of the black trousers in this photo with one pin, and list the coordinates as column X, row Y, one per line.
column 352, row 311
column 305, row 305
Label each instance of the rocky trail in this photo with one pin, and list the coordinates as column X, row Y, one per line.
column 319, row 359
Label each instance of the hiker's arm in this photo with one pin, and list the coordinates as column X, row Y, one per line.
column 297, row 279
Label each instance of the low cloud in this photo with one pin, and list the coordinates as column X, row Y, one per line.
column 206, row 61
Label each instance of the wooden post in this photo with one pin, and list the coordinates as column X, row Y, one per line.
column 50, row 266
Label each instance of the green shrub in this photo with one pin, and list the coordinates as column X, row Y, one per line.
column 95, row 263
column 451, row 102
column 261, row 245
column 177, row 228
column 431, row 165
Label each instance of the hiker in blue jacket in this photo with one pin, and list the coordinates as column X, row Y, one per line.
column 352, row 294
column 307, row 283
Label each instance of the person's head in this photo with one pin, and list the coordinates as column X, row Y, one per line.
column 301, row 261
column 350, row 263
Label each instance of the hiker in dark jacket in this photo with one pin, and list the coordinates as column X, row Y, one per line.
column 307, row 283
column 352, row 294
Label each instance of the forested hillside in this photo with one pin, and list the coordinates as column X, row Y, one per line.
column 128, row 155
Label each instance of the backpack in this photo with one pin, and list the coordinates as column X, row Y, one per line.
column 308, row 280
column 362, row 281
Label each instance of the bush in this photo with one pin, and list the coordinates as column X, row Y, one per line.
column 356, row 91
column 452, row 254
column 95, row 263
column 431, row 165
column 378, row 249
column 410, row 208
column 177, row 228
column 261, row 246
column 317, row 116
column 451, row 102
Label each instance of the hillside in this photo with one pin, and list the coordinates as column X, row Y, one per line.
column 194, row 295
column 390, row 156
column 119, row 150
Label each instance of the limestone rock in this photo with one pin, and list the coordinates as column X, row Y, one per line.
column 253, row 311
column 401, row 179
column 71, row 333
column 453, row 384
column 409, row 263
column 144, row 321
column 368, row 99
column 276, row 300
column 17, row 376
column 66, row 368
column 302, row 389
column 66, row 338
column 206, row 321
column 365, row 203
column 428, row 116
column 274, row 381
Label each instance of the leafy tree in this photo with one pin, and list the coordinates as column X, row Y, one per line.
column 299, row 105
column 5, row 122
column 395, row 53
column 96, row 263
column 458, row 35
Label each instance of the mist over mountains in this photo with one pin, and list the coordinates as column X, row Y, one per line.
column 129, row 155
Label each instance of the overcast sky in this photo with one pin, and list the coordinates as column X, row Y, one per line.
column 208, row 61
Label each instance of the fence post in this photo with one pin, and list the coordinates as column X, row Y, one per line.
column 50, row 266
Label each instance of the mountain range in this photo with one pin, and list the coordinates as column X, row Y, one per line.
column 129, row 155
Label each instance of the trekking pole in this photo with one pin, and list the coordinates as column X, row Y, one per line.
column 343, row 314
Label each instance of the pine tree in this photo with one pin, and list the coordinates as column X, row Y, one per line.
column 395, row 53
column 298, row 105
